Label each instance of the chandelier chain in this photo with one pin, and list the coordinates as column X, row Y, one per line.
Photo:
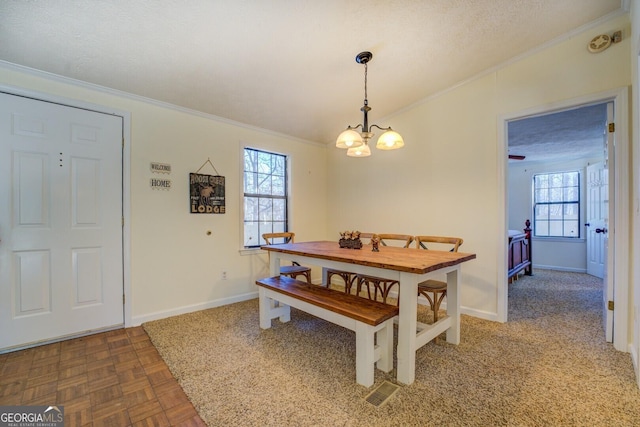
column 365, row 82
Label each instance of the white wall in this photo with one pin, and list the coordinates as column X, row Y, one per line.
column 447, row 178
column 175, row 266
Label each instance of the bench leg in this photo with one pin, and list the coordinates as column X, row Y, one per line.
column 365, row 354
column 281, row 310
column 270, row 309
column 265, row 309
column 370, row 354
column 385, row 346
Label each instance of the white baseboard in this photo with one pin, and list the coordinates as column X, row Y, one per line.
column 139, row 320
column 634, row 361
column 485, row 315
column 557, row 268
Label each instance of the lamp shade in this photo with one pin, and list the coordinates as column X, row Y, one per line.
column 390, row 140
column 361, row 151
column 349, row 139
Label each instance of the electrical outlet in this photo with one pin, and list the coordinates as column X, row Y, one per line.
column 223, row 275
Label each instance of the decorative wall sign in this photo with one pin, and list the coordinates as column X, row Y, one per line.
column 206, row 194
column 160, row 167
column 160, row 184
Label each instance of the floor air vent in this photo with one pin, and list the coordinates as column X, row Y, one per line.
column 379, row 396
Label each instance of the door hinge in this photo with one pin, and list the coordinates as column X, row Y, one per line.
column 612, row 127
column 123, row 299
column 122, row 221
column 610, row 305
column 122, row 142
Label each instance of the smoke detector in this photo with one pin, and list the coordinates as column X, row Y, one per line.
column 603, row 41
column 599, row 43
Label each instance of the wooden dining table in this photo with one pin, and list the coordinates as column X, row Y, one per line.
column 409, row 266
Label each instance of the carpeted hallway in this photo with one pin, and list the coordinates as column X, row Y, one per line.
column 549, row 365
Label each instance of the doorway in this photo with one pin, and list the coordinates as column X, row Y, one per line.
column 617, row 261
column 553, row 181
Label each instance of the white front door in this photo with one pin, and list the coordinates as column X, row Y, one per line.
column 61, row 266
column 597, row 212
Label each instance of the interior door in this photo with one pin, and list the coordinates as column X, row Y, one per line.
column 597, row 213
column 61, row 266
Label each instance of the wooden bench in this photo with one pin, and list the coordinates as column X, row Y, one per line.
column 372, row 321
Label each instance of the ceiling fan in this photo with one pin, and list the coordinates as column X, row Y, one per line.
column 516, row 157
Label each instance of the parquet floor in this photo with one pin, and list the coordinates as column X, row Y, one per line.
column 114, row 378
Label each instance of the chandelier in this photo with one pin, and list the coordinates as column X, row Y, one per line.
column 357, row 143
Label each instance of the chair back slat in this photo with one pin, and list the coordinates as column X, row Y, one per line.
column 455, row 242
column 366, row 238
column 405, row 239
column 270, row 238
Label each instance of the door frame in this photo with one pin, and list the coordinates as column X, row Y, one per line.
column 126, row 176
column 619, row 188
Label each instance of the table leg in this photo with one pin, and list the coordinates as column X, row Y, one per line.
column 274, row 265
column 407, row 326
column 453, row 307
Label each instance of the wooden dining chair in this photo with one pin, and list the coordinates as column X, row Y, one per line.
column 381, row 287
column 435, row 290
column 378, row 288
column 295, row 269
column 347, row 277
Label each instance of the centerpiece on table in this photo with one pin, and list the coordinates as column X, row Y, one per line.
column 350, row 240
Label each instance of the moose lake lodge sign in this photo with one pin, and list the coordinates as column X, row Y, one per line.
column 206, row 194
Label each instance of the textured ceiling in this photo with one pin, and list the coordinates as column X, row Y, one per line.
column 571, row 134
column 283, row 65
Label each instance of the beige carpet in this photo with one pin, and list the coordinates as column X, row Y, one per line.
column 548, row 366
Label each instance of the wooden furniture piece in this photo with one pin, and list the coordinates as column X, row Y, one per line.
column 408, row 266
column 435, row 290
column 370, row 320
column 404, row 239
column 380, row 285
column 294, row 270
column 347, row 277
column 519, row 253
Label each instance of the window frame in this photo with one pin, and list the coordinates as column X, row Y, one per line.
column 285, row 197
column 563, row 203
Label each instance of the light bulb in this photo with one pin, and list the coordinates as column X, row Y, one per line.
column 390, row 140
column 349, row 139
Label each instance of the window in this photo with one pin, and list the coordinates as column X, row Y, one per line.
column 556, row 204
column 265, row 195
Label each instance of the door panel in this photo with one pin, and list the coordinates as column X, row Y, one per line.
column 85, row 191
column 61, row 232
column 32, row 287
column 29, row 181
column 87, row 276
column 597, row 211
